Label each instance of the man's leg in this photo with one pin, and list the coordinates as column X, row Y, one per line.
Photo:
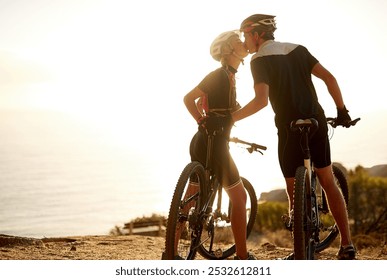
column 336, row 202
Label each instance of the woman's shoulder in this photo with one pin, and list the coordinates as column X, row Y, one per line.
column 217, row 71
column 214, row 80
column 217, row 74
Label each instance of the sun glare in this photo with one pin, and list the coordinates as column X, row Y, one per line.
column 114, row 62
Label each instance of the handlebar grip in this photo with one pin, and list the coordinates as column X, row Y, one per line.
column 253, row 145
column 332, row 122
column 260, row 147
column 353, row 122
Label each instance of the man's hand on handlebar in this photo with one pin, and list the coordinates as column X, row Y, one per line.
column 333, row 122
column 343, row 118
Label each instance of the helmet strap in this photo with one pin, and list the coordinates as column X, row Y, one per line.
column 239, row 57
column 234, row 54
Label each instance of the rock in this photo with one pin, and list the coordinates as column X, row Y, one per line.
column 9, row 241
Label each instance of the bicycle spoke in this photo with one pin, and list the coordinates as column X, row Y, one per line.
column 182, row 235
column 219, row 242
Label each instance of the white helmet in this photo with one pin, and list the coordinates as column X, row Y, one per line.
column 220, row 41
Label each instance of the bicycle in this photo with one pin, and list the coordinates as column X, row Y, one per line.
column 313, row 226
column 199, row 215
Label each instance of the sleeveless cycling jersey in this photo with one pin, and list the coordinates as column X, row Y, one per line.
column 220, row 100
column 287, row 68
column 220, row 90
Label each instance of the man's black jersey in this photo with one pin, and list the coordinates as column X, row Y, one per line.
column 287, row 69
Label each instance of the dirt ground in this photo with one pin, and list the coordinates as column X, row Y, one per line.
column 136, row 247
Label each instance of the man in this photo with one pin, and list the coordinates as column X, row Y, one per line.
column 282, row 73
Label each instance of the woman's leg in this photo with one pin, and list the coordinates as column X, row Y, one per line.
column 238, row 197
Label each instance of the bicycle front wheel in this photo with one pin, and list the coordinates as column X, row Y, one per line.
column 217, row 240
column 328, row 227
column 182, row 235
column 301, row 208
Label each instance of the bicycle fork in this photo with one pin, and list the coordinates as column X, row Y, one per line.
column 205, row 217
column 202, row 219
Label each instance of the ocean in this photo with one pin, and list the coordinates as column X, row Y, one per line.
column 60, row 177
column 64, row 176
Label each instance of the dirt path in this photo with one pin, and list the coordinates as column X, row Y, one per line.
column 133, row 247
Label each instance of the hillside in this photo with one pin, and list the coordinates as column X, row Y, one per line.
column 280, row 194
column 377, row 170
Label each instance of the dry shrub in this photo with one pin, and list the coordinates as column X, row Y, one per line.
column 224, row 235
column 280, row 238
column 362, row 241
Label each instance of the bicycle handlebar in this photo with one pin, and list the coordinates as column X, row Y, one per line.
column 332, row 122
column 252, row 146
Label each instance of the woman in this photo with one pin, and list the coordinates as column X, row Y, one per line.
column 211, row 103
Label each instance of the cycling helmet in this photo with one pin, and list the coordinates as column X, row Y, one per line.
column 219, row 42
column 259, row 23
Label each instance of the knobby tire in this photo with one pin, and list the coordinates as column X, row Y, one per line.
column 178, row 233
column 300, row 236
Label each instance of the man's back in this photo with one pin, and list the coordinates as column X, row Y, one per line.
column 287, row 68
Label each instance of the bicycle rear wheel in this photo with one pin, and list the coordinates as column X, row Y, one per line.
column 217, row 240
column 302, row 216
column 182, row 236
column 328, row 227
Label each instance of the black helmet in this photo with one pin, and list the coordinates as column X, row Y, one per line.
column 259, row 23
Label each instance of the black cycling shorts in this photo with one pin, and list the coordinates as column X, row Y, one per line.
column 223, row 165
column 290, row 152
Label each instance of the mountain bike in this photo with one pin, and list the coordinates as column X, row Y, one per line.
column 313, row 226
column 199, row 214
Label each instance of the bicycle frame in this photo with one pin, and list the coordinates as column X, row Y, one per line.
column 311, row 211
column 213, row 190
column 210, row 178
column 307, row 209
column 193, row 225
column 305, row 147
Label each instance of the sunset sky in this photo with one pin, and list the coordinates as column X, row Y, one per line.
column 124, row 66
